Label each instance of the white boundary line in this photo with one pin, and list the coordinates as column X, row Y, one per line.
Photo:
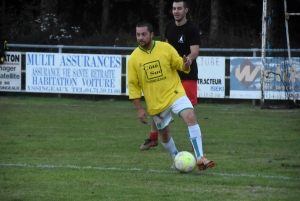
column 139, row 169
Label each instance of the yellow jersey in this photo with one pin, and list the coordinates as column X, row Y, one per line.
column 154, row 73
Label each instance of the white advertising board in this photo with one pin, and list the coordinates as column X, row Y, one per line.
column 282, row 79
column 211, row 77
column 73, row 73
column 10, row 72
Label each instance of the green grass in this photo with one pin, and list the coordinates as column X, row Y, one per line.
column 59, row 149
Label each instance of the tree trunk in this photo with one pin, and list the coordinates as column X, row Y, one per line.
column 161, row 19
column 214, row 23
column 3, row 27
column 105, row 16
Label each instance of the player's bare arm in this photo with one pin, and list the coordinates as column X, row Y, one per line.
column 141, row 111
column 194, row 52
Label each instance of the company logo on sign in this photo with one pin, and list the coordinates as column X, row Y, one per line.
column 246, row 73
column 216, row 88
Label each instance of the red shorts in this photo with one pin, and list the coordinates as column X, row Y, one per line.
column 190, row 87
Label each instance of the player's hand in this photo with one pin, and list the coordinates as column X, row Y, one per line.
column 187, row 60
column 142, row 114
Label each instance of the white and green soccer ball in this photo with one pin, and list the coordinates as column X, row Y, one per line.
column 184, row 162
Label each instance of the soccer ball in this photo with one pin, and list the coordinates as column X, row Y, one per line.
column 184, row 162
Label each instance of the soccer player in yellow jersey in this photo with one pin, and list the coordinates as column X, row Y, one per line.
column 184, row 36
column 152, row 69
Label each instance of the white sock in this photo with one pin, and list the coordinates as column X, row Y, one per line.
column 171, row 148
column 196, row 140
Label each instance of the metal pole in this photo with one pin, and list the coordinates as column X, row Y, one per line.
column 287, row 29
column 263, row 53
column 254, row 55
column 59, row 51
column 289, row 51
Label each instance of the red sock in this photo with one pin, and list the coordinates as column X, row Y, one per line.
column 154, row 136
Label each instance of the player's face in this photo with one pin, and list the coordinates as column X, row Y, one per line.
column 144, row 37
column 179, row 12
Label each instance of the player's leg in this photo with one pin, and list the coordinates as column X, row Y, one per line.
column 152, row 140
column 190, row 87
column 162, row 122
column 168, row 142
column 184, row 108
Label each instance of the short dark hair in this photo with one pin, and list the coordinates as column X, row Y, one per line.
column 185, row 3
column 145, row 24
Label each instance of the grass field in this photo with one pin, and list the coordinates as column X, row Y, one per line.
column 60, row 149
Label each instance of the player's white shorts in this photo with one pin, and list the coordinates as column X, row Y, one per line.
column 163, row 119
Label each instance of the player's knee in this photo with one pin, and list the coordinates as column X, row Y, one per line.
column 190, row 117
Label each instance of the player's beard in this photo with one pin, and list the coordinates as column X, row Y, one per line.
column 145, row 44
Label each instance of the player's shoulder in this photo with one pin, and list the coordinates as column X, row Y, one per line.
column 162, row 43
column 134, row 52
column 170, row 23
column 191, row 25
column 193, row 29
